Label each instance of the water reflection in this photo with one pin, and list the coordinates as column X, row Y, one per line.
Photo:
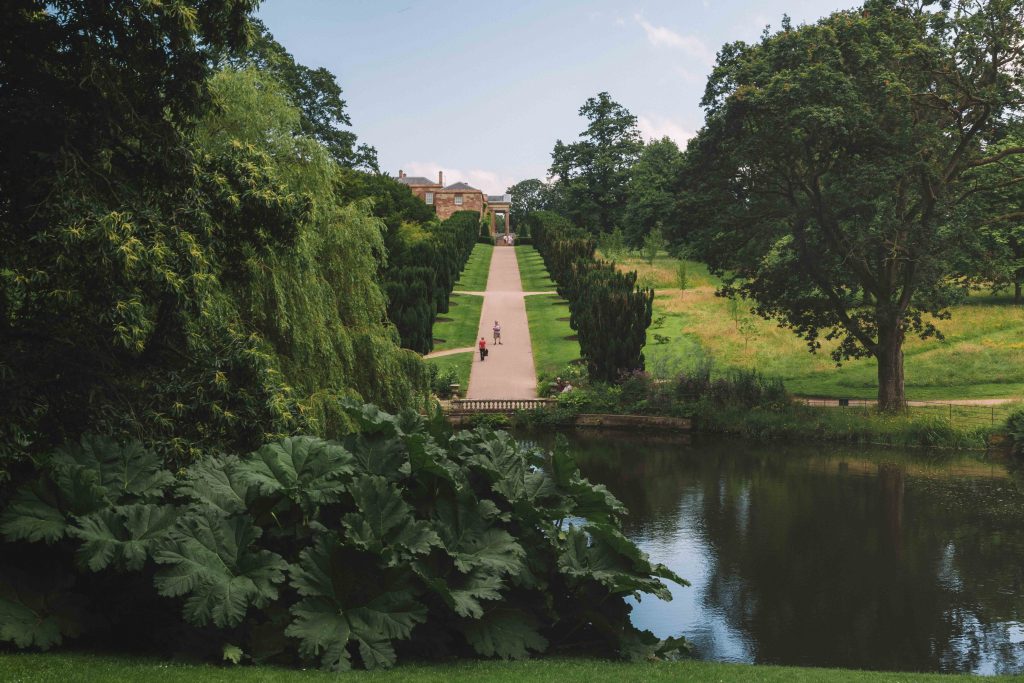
column 849, row 557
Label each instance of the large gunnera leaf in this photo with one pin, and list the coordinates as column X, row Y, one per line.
column 304, row 469
column 124, row 471
column 211, row 559
column 473, row 542
column 603, row 554
column 127, row 534
column 216, row 482
column 38, row 610
column 504, row 632
column 384, row 523
column 344, row 601
column 81, row 479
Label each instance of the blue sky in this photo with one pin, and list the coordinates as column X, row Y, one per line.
column 482, row 90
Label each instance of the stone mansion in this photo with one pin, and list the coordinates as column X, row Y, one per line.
column 458, row 197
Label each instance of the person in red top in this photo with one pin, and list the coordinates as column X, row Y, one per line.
column 483, row 348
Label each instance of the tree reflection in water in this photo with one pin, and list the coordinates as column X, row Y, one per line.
column 826, row 556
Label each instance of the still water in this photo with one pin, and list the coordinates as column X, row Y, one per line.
column 826, row 556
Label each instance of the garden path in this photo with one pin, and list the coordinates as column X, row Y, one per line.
column 508, row 371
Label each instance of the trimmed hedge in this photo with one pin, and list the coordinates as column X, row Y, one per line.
column 423, row 266
column 606, row 308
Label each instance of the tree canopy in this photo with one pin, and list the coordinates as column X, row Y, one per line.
column 827, row 183
column 653, row 191
column 315, row 92
column 591, row 174
column 175, row 271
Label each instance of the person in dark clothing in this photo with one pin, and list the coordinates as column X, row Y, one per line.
column 483, row 348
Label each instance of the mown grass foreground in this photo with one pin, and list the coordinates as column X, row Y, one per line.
column 44, row 668
column 982, row 355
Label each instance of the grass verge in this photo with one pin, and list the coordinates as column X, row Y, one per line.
column 458, row 327
column 47, row 668
column 461, row 363
column 982, row 355
column 474, row 276
column 550, row 334
column 532, row 271
column 59, row 668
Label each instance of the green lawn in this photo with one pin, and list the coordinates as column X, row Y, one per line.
column 474, row 276
column 982, row 355
column 532, row 271
column 58, row 668
column 458, row 327
column 553, row 349
column 461, row 362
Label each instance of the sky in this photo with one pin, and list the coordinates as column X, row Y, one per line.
column 482, row 90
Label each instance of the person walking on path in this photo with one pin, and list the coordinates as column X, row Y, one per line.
column 497, row 332
column 483, row 348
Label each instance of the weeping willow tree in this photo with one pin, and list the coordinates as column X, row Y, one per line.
column 318, row 304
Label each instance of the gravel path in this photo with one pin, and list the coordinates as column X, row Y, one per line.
column 508, row 371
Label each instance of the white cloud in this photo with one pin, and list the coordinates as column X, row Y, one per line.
column 487, row 181
column 662, row 36
column 657, row 127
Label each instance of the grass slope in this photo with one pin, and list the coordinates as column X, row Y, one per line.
column 532, row 271
column 458, row 327
column 550, row 334
column 57, row 668
column 474, row 276
column 982, row 355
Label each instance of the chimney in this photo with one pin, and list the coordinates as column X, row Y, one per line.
column 401, row 173
column 440, row 178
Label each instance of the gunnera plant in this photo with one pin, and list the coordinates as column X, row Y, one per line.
column 400, row 540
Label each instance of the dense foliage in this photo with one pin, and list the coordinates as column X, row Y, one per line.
column 831, row 181
column 592, row 173
column 653, row 191
column 315, row 92
column 607, row 309
column 397, row 540
column 528, row 197
column 176, row 262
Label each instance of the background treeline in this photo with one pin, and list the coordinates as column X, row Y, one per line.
column 606, row 308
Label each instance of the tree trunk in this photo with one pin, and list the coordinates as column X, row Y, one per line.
column 891, row 394
column 1016, row 291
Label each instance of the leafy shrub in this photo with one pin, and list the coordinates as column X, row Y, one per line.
column 398, row 540
column 441, row 380
column 1015, row 428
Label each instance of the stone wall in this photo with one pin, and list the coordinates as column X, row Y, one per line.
column 444, row 202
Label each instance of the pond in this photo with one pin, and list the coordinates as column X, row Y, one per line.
column 827, row 556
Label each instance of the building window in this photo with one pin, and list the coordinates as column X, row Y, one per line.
column 458, row 200
column 430, row 198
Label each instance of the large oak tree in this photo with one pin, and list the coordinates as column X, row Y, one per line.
column 593, row 172
column 828, row 182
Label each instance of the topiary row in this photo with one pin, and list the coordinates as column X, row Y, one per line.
column 423, row 265
column 606, row 308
